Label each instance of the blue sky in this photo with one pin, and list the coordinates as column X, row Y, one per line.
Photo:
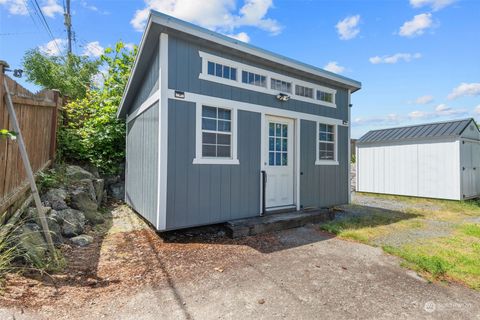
column 418, row 60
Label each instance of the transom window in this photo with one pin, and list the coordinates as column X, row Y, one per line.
column 303, row 91
column 277, row 144
column 326, row 142
column 216, row 132
column 254, row 78
column 324, row 96
column 222, row 71
column 280, row 85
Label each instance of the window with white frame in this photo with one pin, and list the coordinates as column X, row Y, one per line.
column 280, row 85
column 216, row 132
column 222, row 71
column 325, row 96
column 254, row 79
column 326, row 142
column 303, row 91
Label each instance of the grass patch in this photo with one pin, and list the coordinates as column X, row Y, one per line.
column 454, row 257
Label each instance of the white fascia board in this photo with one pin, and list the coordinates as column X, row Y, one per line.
column 188, row 28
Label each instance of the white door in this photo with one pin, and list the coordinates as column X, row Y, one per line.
column 279, row 164
column 469, row 169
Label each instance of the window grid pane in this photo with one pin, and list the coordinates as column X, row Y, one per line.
column 216, row 132
column 326, row 144
column 277, row 144
column 254, row 79
column 222, row 71
column 281, row 85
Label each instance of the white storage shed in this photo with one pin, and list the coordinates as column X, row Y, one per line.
column 437, row 160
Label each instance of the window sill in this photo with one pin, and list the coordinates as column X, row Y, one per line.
column 326, row 163
column 216, row 161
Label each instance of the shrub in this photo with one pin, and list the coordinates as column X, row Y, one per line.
column 92, row 131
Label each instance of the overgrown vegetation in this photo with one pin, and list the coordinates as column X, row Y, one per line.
column 90, row 131
column 72, row 75
column 453, row 253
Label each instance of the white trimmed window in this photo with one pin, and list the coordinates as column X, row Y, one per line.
column 222, row 71
column 216, row 135
column 254, row 79
column 280, row 85
column 325, row 96
column 304, row 91
column 327, row 144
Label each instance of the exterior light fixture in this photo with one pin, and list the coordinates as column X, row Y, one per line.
column 283, row 97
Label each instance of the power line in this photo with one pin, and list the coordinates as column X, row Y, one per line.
column 44, row 22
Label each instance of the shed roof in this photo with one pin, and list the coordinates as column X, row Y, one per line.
column 159, row 22
column 444, row 129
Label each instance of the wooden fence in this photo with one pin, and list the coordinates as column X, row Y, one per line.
column 37, row 116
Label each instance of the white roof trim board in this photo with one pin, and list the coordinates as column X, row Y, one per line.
column 443, row 129
column 174, row 24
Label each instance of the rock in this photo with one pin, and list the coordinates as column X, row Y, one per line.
column 56, row 199
column 82, row 195
column 82, row 240
column 54, row 223
column 94, row 217
column 73, row 222
column 31, row 241
column 117, row 190
column 99, row 185
column 77, row 173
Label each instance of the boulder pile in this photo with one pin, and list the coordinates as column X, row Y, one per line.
column 70, row 209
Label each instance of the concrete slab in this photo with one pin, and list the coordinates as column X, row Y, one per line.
column 276, row 222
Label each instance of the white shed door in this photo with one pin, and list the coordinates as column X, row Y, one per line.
column 470, row 169
column 279, row 162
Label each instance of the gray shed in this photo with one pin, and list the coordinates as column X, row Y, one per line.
column 434, row 160
column 218, row 129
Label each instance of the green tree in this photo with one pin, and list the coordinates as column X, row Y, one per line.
column 72, row 75
column 92, row 132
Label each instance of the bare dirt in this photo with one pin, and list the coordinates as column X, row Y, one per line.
column 130, row 272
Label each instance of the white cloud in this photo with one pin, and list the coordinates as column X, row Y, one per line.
column 241, row 36
column 465, row 89
column 388, row 119
column 93, row 49
column 434, row 4
column 15, row 7
column 333, row 66
column 477, row 110
column 54, row 47
column 129, row 45
column 348, row 27
column 407, row 57
column 88, row 6
column 51, row 7
column 417, row 25
column 424, row 99
column 441, row 110
column 218, row 15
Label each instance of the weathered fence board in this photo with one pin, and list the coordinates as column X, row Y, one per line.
column 37, row 116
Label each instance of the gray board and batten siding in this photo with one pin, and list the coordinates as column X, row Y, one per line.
column 141, row 189
column 199, row 194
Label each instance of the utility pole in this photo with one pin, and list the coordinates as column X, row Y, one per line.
column 68, row 24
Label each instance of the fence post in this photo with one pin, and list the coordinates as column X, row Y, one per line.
column 54, row 129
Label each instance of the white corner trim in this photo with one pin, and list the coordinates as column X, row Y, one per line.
column 163, row 134
column 238, row 105
column 268, row 74
column 297, row 163
column 349, row 164
column 144, row 106
column 198, row 135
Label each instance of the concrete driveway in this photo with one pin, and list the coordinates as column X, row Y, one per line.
column 310, row 276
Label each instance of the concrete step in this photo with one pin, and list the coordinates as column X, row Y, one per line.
column 275, row 222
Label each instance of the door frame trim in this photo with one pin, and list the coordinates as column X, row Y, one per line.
column 296, row 157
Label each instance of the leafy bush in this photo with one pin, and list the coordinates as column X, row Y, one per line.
column 92, row 131
column 72, row 74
